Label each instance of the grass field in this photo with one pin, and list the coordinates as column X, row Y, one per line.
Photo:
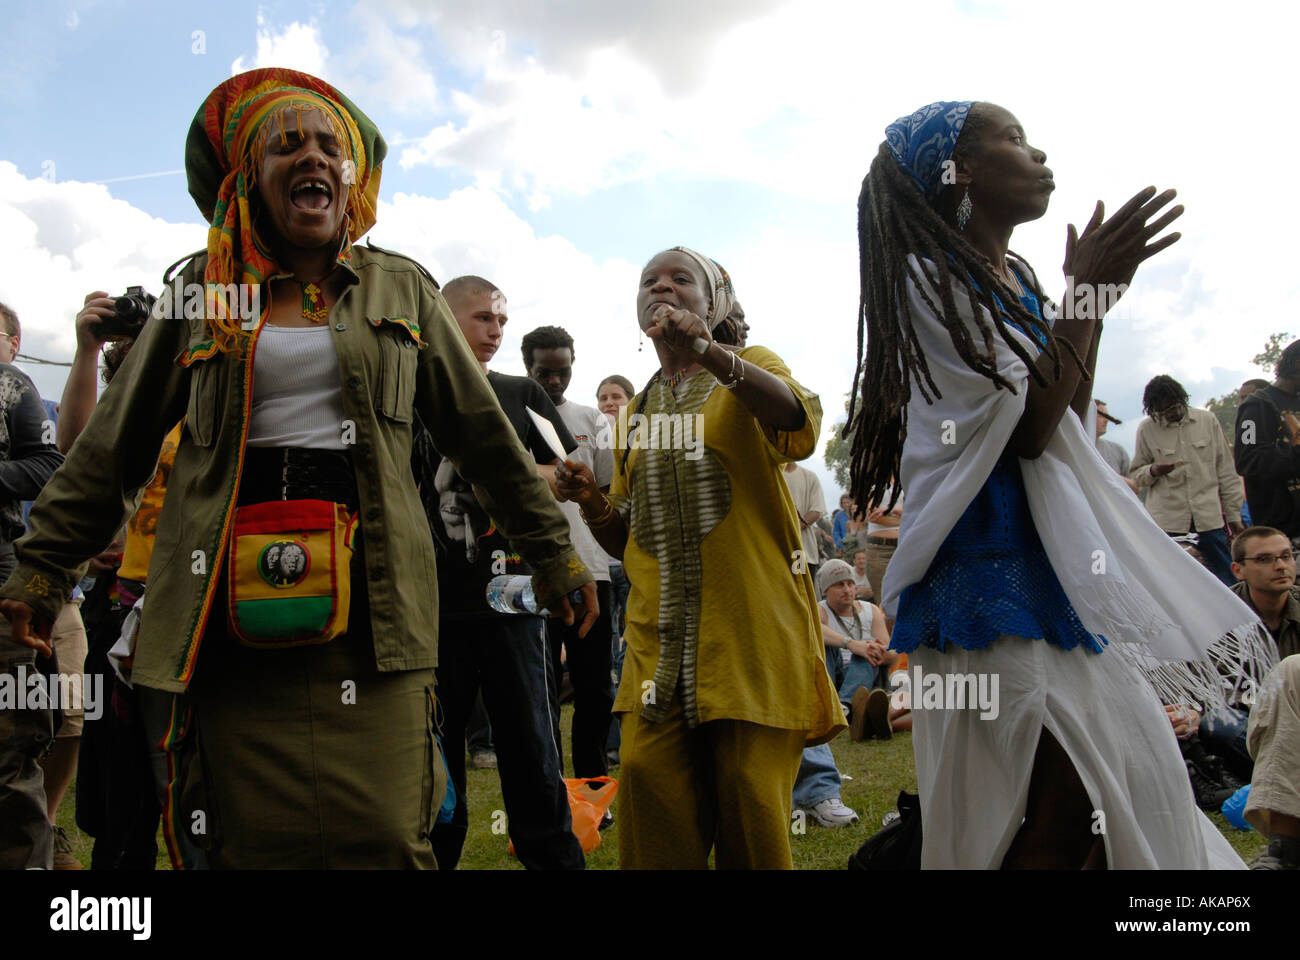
column 874, row 772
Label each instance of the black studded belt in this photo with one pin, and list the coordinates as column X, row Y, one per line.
column 298, row 473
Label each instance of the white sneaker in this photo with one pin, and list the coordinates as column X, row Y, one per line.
column 832, row 813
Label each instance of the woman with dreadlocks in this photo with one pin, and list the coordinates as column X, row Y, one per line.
column 1022, row 562
column 289, row 600
column 724, row 681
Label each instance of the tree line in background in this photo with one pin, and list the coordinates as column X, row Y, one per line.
column 1224, row 408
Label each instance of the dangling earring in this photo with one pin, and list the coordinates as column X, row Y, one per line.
column 964, row 210
column 640, row 340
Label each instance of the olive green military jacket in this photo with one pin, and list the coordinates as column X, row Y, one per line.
column 400, row 353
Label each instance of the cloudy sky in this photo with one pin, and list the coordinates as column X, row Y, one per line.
column 555, row 146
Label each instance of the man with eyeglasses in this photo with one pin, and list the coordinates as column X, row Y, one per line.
column 1265, row 567
column 1264, row 560
column 1215, row 745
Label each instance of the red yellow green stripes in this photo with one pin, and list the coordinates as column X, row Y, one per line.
column 410, row 326
column 203, row 351
column 186, row 670
column 178, row 726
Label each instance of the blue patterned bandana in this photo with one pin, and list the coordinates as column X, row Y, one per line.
column 924, row 140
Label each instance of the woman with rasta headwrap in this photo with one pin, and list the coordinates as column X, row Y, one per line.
column 288, row 603
column 724, row 681
column 1021, row 557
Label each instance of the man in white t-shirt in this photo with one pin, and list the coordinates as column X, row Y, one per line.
column 548, row 358
column 809, row 505
column 862, row 579
column 858, row 657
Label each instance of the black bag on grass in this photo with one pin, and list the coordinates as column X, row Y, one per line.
column 898, row 845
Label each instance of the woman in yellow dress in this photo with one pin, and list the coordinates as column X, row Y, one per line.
column 725, row 679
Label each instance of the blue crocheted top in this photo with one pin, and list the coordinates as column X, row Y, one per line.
column 991, row 575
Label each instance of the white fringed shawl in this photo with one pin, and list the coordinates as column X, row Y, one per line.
column 1126, row 579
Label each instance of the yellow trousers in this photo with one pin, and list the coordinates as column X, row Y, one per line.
column 725, row 786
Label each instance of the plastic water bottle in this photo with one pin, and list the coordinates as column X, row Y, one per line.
column 1235, row 806
column 512, row 594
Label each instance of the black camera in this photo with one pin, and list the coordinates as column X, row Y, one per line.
column 130, row 313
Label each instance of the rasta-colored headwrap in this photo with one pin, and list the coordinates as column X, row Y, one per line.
column 923, row 141
column 717, row 283
column 222, row 155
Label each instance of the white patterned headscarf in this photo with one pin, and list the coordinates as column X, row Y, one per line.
column 722, row 295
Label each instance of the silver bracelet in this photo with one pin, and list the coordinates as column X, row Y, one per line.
column 735, row 380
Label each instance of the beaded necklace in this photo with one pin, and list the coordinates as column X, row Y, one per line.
column 313, row 304
column 675, row 379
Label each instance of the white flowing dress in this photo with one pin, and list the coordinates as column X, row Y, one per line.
column 1125, row 579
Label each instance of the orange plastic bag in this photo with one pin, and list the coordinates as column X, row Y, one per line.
column 588, row 801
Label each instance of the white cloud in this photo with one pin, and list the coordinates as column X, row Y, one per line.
column 297, row 46
column 539, row 103
column 546, row 280
column 64, row 240
column 386, row 67
column 379, row 65
column 675, row 39
column 60, row 241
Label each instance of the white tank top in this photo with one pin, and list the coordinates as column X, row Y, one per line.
column 855, row 628
column 297, row 398
column 877, row 528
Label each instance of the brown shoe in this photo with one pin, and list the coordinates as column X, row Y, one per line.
column 878, row 713
column 859, row 728
column 63, row 858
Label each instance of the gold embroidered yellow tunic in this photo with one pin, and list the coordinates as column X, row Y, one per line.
column 721, row 610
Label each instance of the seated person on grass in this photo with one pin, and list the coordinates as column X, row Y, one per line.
column 858, row 657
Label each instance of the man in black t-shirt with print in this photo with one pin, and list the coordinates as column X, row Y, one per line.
column 28, row 457
column 1266, row 447
column 505, row 654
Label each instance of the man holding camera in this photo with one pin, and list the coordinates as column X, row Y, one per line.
column 28, row 457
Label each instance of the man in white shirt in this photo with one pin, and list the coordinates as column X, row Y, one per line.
column 548, row 358
column 1110, row 451
column 809, row 505
column 1184, row 458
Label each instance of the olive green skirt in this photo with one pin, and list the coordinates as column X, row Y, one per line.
column 308, row 757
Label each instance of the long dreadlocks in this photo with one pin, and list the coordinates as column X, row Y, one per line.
column 895, row 221
column 1161, row 391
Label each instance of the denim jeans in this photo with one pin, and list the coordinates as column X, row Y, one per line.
column 1213, row 545
column 858, row 672
column 26, row 838
column 506, row 656
column 619, row 588
column 1223, row 733
column 818, row 778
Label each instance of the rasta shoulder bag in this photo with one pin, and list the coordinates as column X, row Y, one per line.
column 290, row 572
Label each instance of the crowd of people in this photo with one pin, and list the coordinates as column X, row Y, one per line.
column 326, row 560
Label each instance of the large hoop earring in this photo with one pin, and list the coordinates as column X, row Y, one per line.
column 964, row 210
